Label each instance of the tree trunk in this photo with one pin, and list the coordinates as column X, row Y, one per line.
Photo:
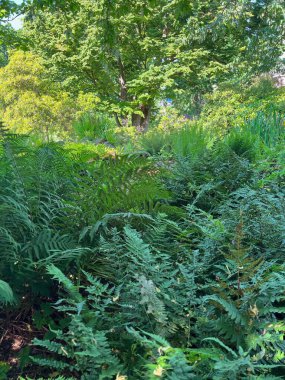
column 142, row 122
column 124, row 120
column 146, row 118
column 122, row 81
column 136, row 120
column 119, row 124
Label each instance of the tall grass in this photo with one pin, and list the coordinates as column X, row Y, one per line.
column 269, row 127
column 93, row 126
column 190, row 141
column 184, row 142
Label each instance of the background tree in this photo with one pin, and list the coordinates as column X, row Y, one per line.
column 131, row 53
column 6, row 8
column 30, row 102
column 8, row 36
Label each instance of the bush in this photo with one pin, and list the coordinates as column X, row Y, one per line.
column 230, row 106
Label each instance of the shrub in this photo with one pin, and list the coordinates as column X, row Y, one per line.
column 230, row 106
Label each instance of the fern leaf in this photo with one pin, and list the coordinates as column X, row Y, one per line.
column 230, row 308
column 6, row 293
column 221, row 344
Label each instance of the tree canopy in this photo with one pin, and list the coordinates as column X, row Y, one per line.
column 132, row 53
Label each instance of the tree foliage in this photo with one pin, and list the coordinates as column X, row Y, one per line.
column 29, row 102
column 133, row 53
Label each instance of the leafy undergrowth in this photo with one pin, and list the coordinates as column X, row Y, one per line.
column 144, row 267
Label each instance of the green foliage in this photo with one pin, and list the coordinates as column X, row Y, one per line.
column 171, row 363
column 190, row 141
column 33, row 181
column 168, row 119
column 244, row 144
column 4, row 369
column 83, row 348
column 120, row 183
column 186, row 293
column 95, row 126
column 29, row 102
column 134, row 53
column 257, row 103
column 205, row 179
column 161, row 265
column 155, row 141
column 143, row 302
column 6, row 293
column 47, row 195
column 130, row 256
column 52, row 378
column 270, row 128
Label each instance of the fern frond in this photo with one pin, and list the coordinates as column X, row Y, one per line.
column 221, row 344
column 6, row 293
column 51, row 363
column 229, row 308
column 66, row 282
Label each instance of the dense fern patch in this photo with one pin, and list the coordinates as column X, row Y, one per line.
column 139, row 267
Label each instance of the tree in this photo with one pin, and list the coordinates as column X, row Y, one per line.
column 9, row 10
column 29, row 102
column 7, row 33
column 131, row 53
column 6, row 8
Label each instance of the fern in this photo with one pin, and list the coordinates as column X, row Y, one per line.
column 150, row 299
column 195, row 291
column 179, row 368
column 6, row 293
column 33, row 211
column 67, row 283
column 119, row 185
column 81, row 348
column 230, row 309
